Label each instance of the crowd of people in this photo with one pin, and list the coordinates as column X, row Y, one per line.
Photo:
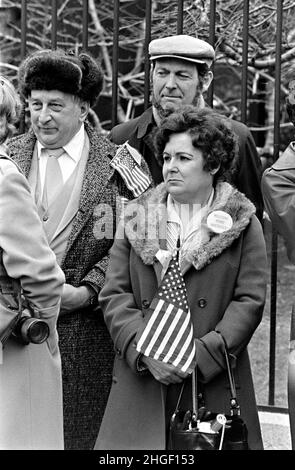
column 92, row 232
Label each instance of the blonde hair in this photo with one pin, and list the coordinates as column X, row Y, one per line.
column 10, row 108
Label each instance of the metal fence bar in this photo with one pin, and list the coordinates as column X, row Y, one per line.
column 85, row 25
column 147, row 39
column 115, row 62
column 23, row 50
column 274, row 241
column 273, row 409
column 212, row 26
column 179, row 25
column 245, row 35
column 23, row 33
column 291, row 379
column 273, row 316
column 54, row 24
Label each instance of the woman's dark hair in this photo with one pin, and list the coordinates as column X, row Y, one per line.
column 210, row 133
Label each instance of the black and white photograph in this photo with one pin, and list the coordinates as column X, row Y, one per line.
column 147, row 230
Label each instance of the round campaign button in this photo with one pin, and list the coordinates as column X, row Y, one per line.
column 219, row 221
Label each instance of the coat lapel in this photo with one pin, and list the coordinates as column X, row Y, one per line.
column 141, row 129
column 23, row 156
column 97, row 175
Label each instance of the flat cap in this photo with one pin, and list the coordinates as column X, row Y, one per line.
column 182, row 47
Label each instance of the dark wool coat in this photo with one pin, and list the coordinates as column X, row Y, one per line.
column 85, row 344
column 226, row 287
column 139, row 133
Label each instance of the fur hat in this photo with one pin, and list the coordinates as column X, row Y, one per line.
column 57, row 70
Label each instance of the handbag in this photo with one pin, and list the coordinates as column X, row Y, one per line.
column 199, row 429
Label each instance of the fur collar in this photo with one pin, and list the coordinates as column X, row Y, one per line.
column 146, row 232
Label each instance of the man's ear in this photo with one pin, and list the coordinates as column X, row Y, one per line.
column 207, row 80
column 84, row 106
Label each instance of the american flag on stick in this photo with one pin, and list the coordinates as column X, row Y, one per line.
column 127, row 163
column 168, row 334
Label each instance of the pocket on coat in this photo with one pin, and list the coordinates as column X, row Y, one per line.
column 52, row 343
column 52, row 340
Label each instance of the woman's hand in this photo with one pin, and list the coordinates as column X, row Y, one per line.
column 164, row 373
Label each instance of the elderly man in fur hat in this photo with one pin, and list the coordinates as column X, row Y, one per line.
column 68, row 167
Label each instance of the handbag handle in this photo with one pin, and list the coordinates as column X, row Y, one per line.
column 234, row 406
column 194, row 392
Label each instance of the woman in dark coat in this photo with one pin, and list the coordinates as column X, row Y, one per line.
column 222, row 258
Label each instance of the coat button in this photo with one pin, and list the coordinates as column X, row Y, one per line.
column 145, row 304
column 118, row 351
column 202, row 302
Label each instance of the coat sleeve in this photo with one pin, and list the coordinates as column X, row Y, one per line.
column 118, row 195
column 26, row 254
column 96, row 276
column 247, row 178
column 278, row 187
column 244, row 312
column 122, row 316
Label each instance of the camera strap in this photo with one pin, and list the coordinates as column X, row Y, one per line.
column 10, row 287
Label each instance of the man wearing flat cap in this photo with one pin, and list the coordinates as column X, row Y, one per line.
column 180, row 75
column 68, row 167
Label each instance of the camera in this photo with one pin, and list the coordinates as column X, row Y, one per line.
column 26, row 329
column 30, row 330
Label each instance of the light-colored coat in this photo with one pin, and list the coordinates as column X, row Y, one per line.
column 85, row 344
column 31, row 416
column 226, row 288
column 278, row 184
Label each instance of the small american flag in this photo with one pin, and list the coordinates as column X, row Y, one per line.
column 127, row 165
column 168, row 334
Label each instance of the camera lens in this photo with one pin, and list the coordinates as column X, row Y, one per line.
column 34, row 330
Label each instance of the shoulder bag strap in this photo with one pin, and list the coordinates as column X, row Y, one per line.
column 194, row 393
column 234, row 406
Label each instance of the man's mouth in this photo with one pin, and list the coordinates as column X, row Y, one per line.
column 170, row 97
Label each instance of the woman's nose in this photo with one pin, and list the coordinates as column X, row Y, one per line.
column 172, row 166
